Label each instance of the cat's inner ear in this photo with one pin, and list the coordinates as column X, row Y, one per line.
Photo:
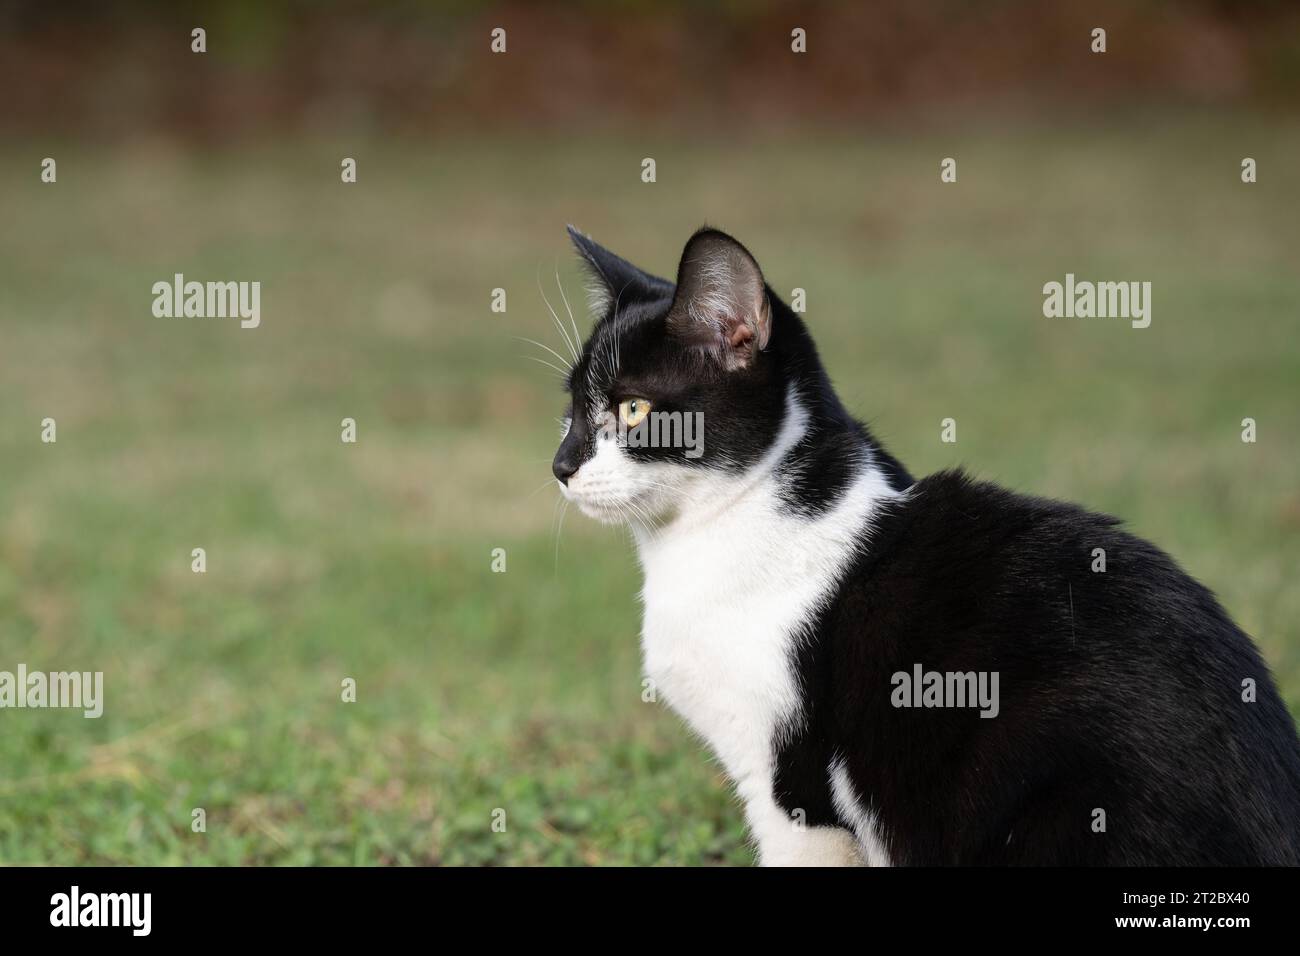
column 721, row 304
column 614, row 280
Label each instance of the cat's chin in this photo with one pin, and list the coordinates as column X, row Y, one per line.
column 603, row 512
column 615, row 512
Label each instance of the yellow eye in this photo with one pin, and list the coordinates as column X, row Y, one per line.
column 633, row 411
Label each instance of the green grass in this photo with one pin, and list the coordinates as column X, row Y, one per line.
column 521, row 690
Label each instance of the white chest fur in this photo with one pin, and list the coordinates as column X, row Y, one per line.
column 729, row 589
column 725, row 602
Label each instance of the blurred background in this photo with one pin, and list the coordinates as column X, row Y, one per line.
column 520, row 691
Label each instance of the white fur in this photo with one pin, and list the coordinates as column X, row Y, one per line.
column 861, row 818
column 732, row 579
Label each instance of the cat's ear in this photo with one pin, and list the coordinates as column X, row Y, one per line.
column 615, row 280
column 721, row 303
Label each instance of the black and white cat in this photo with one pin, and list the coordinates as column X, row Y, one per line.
column 801, row 587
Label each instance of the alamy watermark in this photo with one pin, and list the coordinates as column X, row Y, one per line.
column 55, row 689
column 209, row 300
column 683, row 430
column 1086, row 300
column 133, row 911
column 922, row 688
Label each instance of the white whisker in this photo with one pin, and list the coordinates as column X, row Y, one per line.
column 564, row 374
column 548, row 481
column 576, row 334
column 558, row 531
column 567, row 364
column 558, row 324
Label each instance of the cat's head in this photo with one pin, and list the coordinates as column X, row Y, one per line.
column 679, row 388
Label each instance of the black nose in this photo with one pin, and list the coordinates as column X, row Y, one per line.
column 563, row 467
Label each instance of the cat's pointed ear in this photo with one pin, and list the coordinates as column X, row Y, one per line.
column 721, row 303
column 615, row 280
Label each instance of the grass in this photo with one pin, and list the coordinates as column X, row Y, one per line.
column 521, row 691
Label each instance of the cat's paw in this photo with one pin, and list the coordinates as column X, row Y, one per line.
column 813, row 846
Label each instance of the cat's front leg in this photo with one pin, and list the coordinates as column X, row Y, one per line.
column 783, row 840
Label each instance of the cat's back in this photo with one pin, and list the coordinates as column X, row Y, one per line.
column 1033, row 576
column 1124, row 686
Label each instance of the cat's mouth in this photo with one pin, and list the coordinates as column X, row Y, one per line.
column 601, row 506
column 622, row 498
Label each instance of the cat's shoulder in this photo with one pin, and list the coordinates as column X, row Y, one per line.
column 950, row 519
column 955, row 499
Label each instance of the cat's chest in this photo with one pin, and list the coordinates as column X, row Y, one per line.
column 723, row 610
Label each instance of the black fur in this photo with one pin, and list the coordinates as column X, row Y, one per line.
column 1120, row 691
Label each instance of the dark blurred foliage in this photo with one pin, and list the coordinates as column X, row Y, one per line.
column 109, row 69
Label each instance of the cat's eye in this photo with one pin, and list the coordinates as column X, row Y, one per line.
column 632, row 411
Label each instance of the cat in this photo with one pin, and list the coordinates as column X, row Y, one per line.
column 810, row 608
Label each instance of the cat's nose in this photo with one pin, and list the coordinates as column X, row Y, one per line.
column 563, row 467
